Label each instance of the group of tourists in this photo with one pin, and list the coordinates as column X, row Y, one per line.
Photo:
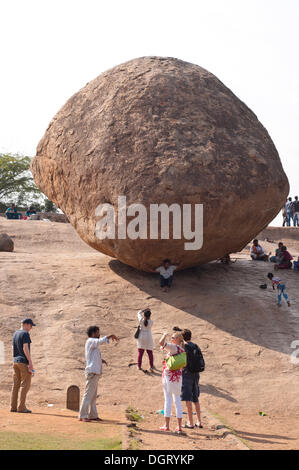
column 282, row 258
column 12, row 213
column 290, row 212
column 182, row 364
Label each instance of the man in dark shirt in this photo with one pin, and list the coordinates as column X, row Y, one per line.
column 190, row 385
column 22, row 365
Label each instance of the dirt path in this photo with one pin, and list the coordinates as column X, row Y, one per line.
column 247, row 341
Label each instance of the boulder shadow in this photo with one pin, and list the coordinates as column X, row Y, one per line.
column 223, row 296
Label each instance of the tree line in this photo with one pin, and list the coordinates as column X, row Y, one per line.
column 17, row 185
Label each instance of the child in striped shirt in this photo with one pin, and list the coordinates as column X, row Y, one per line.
column 281, row 287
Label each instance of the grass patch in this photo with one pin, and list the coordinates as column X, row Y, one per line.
column 223, row 421
column 132, row 414
column 37, row 441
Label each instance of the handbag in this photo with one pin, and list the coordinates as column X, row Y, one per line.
column 176, row 362
column 137, row 332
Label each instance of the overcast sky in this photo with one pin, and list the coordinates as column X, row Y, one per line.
column 51, row 49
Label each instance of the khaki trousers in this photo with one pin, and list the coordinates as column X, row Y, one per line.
column 88, row 407
column 21, row 379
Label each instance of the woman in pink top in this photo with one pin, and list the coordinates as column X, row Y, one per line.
column 172, row 381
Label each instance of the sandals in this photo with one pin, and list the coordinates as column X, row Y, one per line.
column 198, row 425
column 188, row 426
column 178, row 430
column 164, row 428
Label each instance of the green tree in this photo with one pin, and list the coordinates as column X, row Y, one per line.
column 50, row 206
column 15, row 176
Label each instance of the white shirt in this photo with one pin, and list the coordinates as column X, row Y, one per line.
column 259, row 250
column 93, row 355
column 166, row 273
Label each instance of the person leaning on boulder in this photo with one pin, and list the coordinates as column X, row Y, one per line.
column 22, row 366
column 166, row 271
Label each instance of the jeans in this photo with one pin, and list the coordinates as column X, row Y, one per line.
column 165, row 282
column 281, row 290
column 289, row 218
column 296, row 219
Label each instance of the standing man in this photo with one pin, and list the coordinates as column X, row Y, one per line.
column 93, row 371
column 296, row 212
column 289, row 211
column 190, row 383
column 22, row 365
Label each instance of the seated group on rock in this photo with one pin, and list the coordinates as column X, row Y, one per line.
column 12, row 213
column 282, row 257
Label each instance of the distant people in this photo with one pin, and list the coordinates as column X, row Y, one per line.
column 11, row 212
column 296, row 264
column 295, row 208
column 22, row 366
column 281, row 287
column 257, row 252
column 284, row 215
column 93, row 371
column 172, row 380
column 145, row 338
column 284, row 260
column 30, row 211
column 274, row 259
column 289, row 211
column 190, row 383
column 166, row 274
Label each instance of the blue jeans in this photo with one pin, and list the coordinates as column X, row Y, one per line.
column 289, row 218
column 165, row 282
column 281, row 291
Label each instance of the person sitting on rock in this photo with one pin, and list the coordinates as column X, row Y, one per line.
column 30, row 211
column 257, row 252
column 275, row 258
column 11, row 212
column 284, row 259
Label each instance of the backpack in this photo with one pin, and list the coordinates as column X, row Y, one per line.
column 195, row 360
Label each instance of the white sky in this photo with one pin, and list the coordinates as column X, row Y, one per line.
column 51, row 49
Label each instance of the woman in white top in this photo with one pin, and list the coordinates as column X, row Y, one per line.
column 172, row 380
column 145, row 338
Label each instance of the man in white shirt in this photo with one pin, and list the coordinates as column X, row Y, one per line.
column 88, row 410
column 166, row 274
column 257, row 252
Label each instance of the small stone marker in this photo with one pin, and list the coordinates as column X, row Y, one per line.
column 73, row 398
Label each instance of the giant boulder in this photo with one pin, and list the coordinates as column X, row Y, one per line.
column 160, row 130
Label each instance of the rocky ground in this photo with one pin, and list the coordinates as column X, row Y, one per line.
column 65, row 286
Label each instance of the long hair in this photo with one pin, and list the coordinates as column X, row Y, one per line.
column 147, row 315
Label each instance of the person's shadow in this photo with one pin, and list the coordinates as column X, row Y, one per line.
column 223, row 296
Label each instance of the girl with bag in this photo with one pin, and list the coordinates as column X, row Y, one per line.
column 144, row 337
column 172, row 377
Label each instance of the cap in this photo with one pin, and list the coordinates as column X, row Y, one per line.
column 28, row 320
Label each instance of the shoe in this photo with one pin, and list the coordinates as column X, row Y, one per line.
column 13, row 411
column 85, row 420
column 289, row 304
column 163, row 428
column 178, row 430
column 188, row 426
column 95, row 419
column 198, row 425
column 25, row 411
column 151, row 370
